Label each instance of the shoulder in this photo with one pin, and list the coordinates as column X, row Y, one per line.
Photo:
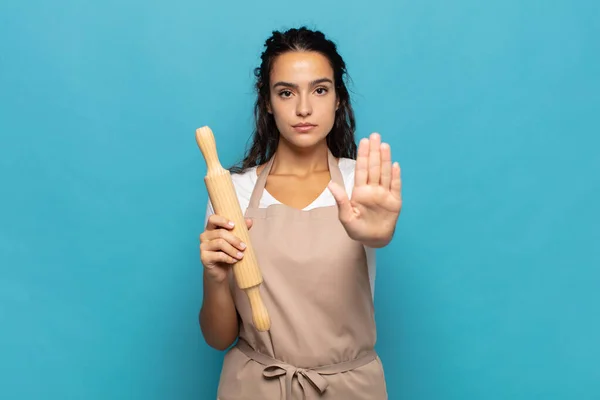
column 244, row 180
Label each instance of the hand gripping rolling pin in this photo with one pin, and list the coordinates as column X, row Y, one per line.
column 225, row 203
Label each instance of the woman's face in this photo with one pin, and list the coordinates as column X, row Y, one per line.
column 302, row 98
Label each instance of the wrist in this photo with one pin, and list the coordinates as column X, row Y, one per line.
column 378, row 241
column 215, row 283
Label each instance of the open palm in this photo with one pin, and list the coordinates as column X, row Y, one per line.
column 370, row 215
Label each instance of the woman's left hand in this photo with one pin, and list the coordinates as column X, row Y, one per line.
column 371, row 214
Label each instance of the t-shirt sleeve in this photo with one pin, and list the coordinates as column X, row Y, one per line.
column 243, row 185
column 347, row 169
column 209, row 211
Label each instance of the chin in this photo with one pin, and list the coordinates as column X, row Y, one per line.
column 304, row 140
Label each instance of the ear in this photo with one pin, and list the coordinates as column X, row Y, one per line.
column 337, row 104
column 269, row 110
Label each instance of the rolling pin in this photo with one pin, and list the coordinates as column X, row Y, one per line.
column 225, row 203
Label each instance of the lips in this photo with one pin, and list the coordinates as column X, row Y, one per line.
column 304, row 127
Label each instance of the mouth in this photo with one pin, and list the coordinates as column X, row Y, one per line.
column 304, row 127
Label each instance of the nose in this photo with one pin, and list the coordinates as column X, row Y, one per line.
column 304, row 107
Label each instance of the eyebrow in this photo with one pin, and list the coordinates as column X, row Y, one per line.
column 293, row 85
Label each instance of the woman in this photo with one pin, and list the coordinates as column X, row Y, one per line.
column 315, row 216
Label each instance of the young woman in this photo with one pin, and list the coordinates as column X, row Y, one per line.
column 317, row 207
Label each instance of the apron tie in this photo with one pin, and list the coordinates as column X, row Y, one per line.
column 306, row 376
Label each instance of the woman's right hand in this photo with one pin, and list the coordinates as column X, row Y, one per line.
column 220, row 248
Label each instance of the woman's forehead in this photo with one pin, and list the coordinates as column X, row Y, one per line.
column 301, row 67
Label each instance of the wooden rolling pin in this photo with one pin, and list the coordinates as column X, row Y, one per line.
column 225, row 203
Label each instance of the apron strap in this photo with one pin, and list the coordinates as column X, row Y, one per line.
column 334, row 171
column 260, row 184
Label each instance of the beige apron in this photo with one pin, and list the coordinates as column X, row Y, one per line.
column 317, row 291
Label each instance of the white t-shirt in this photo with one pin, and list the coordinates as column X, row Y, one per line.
column 244, row 185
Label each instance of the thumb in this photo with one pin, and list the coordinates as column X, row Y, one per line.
column 249, row 223
column 341, row 198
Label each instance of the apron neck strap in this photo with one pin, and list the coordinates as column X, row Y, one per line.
column 334, row 171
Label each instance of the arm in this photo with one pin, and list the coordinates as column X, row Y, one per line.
column 219, row 249
column 218, row 316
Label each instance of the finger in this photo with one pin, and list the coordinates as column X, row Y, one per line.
column 227, row 236
column 216, row 221
column 341, row 198
column 209, row 259
column 362, row 163
column 396, row 186
column 374, row 159
column 220, row 245
column 386, row 166
column 249, row 223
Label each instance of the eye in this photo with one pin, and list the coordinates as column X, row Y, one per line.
column 285, row 93
column 322, row 91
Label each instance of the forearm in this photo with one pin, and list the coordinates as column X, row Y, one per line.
column 218, row 316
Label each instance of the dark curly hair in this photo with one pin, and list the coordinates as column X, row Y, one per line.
column 340, row 139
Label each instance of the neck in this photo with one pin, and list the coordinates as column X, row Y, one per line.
column 290, row 160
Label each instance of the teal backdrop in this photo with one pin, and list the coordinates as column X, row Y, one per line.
column 491, row 287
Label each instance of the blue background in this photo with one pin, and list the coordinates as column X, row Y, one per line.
column 490, row 289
